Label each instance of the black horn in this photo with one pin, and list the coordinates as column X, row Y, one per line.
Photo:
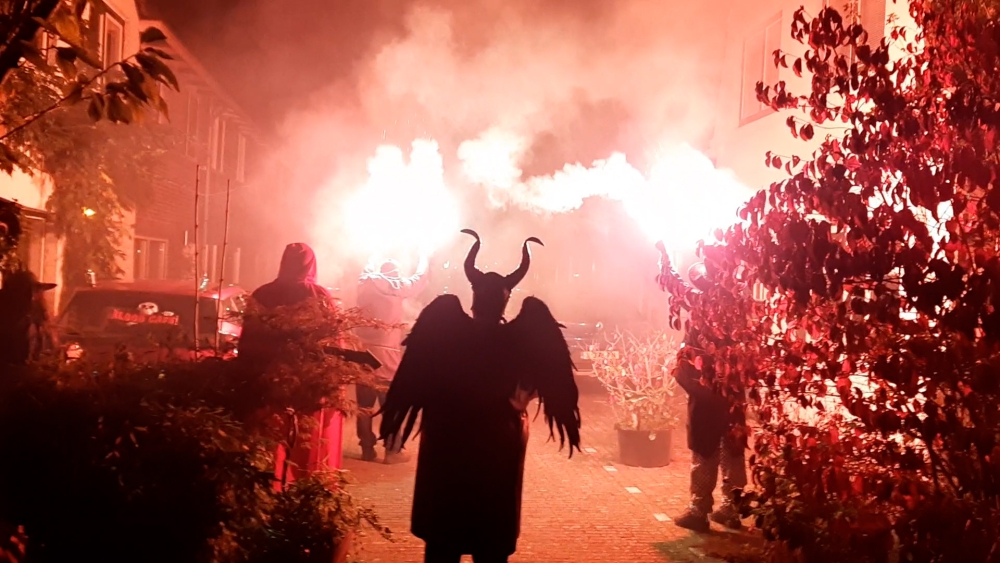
column 471, row 271
column 517, row 275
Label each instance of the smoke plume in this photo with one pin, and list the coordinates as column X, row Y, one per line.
column 533, row 106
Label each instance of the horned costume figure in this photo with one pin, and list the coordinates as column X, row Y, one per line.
column 472, row 378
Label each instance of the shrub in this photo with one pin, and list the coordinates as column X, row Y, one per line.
column 174, row 461
column 876, row 268
column 637, row 372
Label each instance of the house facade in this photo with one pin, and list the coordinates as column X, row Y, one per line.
column 214, row 150
column 745, row 130
column 116, row 27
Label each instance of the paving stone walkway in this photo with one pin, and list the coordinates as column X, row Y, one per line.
column 586, row 509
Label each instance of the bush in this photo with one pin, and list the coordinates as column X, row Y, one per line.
column 638, row 374
column 173, row 462
column 871, row 353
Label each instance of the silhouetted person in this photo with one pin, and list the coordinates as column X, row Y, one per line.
column 380, row 296
column 296, row 281
column 295, row 284
column 716, row 434
column 24, row 318
column 472, row 379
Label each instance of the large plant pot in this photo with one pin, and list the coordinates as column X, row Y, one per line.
column 641, row 448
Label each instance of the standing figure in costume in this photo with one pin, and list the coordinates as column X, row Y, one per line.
column 717, row 434
column 715, row 438
column 296, row 283
column 472, row 378
column 24, row 319
column 380, row 296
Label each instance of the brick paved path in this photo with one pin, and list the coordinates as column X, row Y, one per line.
column 587, row 509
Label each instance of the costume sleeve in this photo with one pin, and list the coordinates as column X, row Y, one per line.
column 413, row 286
column 689, row 379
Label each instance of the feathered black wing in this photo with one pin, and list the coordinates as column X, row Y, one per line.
column 429, row 360
column 546, row 367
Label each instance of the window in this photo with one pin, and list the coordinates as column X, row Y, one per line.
column 872, row 17
column 47, row 44
column 150, row 259
column 218, row 144
column 241, row 159
column 758, row 66
column 112, row 39
column 194, row 104
column 870, row 14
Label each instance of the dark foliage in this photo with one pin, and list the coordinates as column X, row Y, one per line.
column 873, row 361
column 174, row 461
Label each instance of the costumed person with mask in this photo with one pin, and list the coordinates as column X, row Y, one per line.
column 296, row 283
column 381, row 295
column 717, row 434
column 25, row 332
column 472, row 379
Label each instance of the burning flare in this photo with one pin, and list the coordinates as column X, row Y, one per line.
column 683, row 199
column 403, row 207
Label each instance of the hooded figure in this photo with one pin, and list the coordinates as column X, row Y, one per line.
column 296, row 283
column 380, row 296
column 472, row 378
column 24, row 318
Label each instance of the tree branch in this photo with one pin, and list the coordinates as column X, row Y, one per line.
column 58, row 103
column 11, row 55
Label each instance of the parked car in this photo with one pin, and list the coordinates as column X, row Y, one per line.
column 580, row 336
column 149, row 320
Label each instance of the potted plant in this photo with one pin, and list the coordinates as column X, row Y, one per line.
column 637, row 372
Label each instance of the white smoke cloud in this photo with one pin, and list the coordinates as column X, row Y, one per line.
column 681, row 201
column 537, row 104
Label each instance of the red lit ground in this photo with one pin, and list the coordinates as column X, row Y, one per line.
column 588, row 509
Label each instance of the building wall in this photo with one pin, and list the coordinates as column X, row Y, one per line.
column 41, row 249
column 216, row 144
column 743, row 137
column 127, row 11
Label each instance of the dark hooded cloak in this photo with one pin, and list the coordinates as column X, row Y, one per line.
column 296, row 281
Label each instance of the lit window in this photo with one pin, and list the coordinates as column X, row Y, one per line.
column 758, row 66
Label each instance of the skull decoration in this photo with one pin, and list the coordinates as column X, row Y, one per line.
column 148, row 308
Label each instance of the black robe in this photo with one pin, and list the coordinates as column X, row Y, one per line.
column 471, row 383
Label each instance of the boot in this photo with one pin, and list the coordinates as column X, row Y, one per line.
column 727, row 517
column 368, row 453
column 693, row 521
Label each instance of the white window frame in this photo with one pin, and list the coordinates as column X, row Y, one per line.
column 110, row 17
column 770, row 32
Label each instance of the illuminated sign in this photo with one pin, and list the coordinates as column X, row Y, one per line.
column 136, row 317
